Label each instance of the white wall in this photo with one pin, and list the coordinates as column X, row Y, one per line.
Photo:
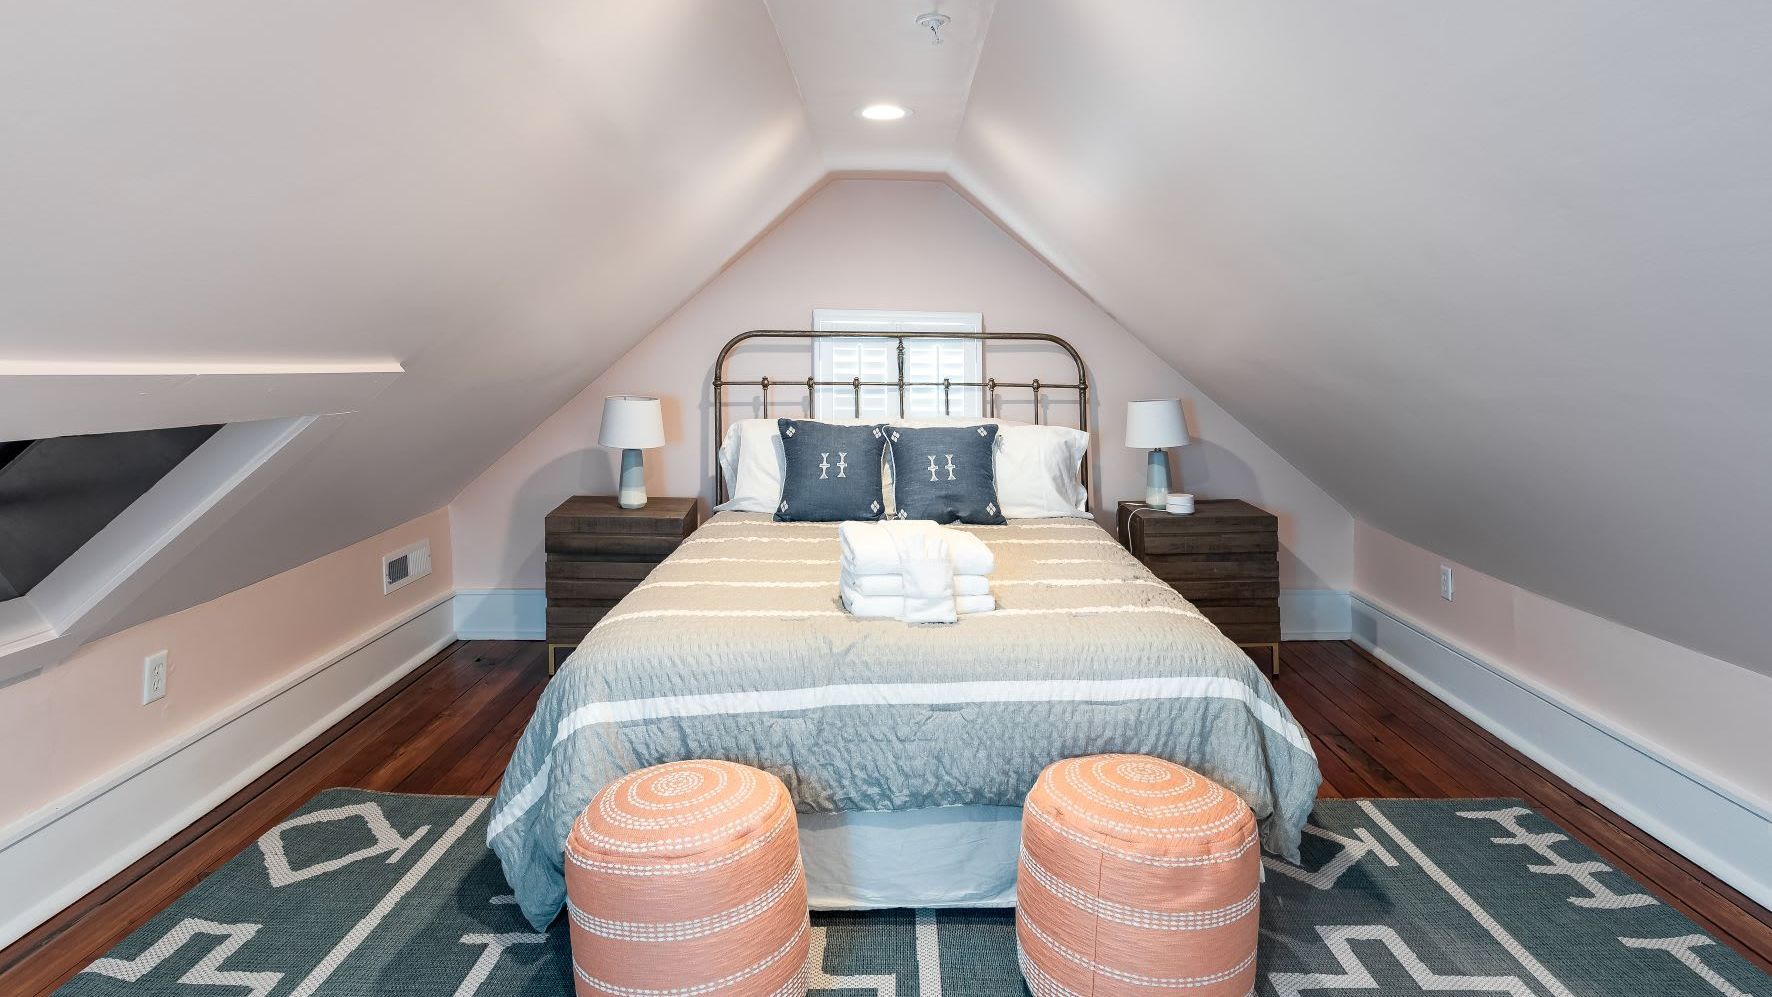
column 94, row 779
column 1707, row 715
column 1673, row 740
column 891, row 244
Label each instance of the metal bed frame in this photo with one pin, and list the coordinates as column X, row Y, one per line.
column 812, row 384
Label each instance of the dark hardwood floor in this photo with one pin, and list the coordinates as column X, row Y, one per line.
column 449, row 726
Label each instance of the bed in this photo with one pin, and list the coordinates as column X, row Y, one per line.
column 907, row 749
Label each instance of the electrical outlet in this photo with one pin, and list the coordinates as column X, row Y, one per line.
column 405, row 566
column 153, row 677
column 1445, row 583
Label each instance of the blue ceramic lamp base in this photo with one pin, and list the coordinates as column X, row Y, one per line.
column 633, row 481
column 1156, row 479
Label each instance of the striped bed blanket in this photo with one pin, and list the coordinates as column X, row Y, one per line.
column 737, row 647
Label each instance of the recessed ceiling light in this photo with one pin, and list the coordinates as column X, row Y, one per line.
column 883, row 112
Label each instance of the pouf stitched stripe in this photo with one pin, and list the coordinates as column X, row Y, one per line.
column 1137, row 917
column 781, row 825
column 1137, row 877
column 685, row 880
column 1151, row 860
column 670, row 931
column 792, row 954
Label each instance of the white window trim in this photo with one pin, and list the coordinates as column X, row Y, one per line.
column 883, row 403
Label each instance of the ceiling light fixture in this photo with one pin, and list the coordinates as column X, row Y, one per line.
column 934, row 21
column 883, row 112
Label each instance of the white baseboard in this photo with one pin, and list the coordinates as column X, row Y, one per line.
column 1315, row 614
column 64, row 850
column 501, row 614
column 1724, row 833
column 521, row 614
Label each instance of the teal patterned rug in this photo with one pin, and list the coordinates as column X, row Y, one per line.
column 369, row 893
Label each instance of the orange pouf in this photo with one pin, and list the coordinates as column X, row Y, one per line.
column 1137, row 877
column 685, row 879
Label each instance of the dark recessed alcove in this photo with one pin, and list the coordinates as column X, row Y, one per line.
column 58, row 493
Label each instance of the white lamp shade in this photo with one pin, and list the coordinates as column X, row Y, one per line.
column 1155, row 423
column 631, row 422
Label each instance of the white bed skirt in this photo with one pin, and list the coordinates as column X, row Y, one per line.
column 939, row 857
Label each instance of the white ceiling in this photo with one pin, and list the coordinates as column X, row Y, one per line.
column 847, row 54
column 1495, row 274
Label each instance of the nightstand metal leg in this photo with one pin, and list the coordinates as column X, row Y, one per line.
column 554, row 655
column 1274, row 649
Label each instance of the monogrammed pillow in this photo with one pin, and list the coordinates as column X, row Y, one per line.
column 945, row 474
column 832, row 473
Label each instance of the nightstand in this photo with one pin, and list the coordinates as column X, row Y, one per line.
column 1224, row 558
column 597, row 552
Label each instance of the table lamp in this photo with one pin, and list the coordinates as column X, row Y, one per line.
column 631, row 423
column 1153, row 425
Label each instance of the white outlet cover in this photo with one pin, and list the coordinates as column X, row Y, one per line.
column 153, row 677
column 1445, row 583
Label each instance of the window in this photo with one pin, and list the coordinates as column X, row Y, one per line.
column 926, row 363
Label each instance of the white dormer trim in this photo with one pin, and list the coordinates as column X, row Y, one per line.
column 43, row 398
column 77, row 599
column 274, row 414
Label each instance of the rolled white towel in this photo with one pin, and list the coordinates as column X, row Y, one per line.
column 872, row 548
column 873, row 607
column 970, row 555
column 893, row 584
column 891, row 607
column 868, row 548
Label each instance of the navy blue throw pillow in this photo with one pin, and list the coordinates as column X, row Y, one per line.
column 945, row 474
column 832, row 473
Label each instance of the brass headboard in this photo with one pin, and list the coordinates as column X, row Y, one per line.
column 990, row 385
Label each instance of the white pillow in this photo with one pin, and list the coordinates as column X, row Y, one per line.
column 1039, row 471
column 752, row 459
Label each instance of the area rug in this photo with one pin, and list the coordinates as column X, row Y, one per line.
column 369, row 893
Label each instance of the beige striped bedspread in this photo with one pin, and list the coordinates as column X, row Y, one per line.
column 737, row 647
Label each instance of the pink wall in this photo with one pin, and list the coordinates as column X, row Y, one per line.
column 1708, row 714
column 78, row 720
column 888, row 244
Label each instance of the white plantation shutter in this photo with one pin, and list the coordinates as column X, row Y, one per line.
column 926, row 363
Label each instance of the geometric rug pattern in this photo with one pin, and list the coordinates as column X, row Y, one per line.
column 365, row 893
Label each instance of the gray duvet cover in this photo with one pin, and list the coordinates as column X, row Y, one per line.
column 737, row 647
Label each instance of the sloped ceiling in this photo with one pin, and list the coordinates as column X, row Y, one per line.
column 502, row 196
column 1497, row 275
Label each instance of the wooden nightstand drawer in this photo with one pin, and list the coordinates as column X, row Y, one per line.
column 1240, row 591
column 1244, row 615
column 1213, row 567
column 612, row 589
column 578, row 612
column 1224, row 558
column 599, row 552
column 1206, row 543
column 577, row 569
column 612, row 547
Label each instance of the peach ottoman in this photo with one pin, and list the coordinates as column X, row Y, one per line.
column 1137, row 877
column 685, row 879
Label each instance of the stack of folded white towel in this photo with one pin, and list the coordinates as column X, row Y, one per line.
column 915, row 571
